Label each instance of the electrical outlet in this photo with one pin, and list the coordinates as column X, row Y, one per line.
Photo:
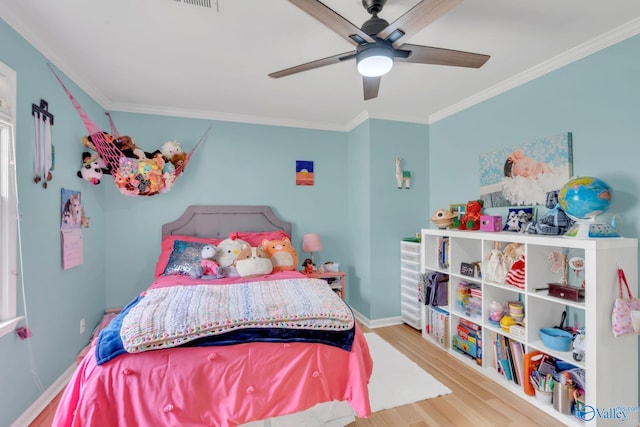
column 82, row 326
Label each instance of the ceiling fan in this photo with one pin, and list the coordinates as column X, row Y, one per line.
column 379, row 44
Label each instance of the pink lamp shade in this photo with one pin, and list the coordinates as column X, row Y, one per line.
column 311, row 243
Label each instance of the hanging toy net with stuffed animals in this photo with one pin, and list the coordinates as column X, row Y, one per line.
column 133, row 176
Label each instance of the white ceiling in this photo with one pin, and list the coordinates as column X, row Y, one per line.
column 168, row 57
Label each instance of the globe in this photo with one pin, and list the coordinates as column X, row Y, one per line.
column 585, row 197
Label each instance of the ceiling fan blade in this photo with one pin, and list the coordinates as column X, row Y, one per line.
column 314, row 64
column 434, row 55
column 418, row 17
column 371, row 86
column 334, row 21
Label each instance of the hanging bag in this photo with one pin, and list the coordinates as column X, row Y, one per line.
column 625, row 310
column 437, row 292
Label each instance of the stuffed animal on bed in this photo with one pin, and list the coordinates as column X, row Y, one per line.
column 228, row 252
column 252, row 262
column 208, row 269
column 283, row 254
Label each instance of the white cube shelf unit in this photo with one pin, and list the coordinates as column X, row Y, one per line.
column 610, row 363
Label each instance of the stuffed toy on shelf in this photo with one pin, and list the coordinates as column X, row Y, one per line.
column 471, row 219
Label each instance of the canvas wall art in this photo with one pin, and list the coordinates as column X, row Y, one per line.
column 304, row 172
column 521, row 175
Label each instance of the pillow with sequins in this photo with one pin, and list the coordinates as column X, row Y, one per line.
column 166, row 250
column 184, row 257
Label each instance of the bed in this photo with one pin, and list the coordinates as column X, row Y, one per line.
column 310, row 366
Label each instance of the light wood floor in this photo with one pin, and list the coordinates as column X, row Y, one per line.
column 475, row 402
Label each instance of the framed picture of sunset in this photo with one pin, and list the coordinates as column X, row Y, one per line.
column 304, row 172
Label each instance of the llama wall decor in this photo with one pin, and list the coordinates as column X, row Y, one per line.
column 402, row 177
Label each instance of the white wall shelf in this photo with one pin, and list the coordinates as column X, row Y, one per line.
column 610, row 363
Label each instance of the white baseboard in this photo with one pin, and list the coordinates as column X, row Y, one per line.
column 45, row 398
column 378, row 323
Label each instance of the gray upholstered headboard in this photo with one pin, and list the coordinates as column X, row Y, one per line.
column 219, row 221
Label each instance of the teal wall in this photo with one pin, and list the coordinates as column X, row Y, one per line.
column 240, row 164
column 56, row 299
column 596, row 99
column 354, row 204
column 380, row 214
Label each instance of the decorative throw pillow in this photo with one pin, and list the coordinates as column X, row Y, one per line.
column 283, row 255
column 166, row 248
column 518, row 218
column 255, row 238
column 253, row 262
column 184, row 257
column 229, row 250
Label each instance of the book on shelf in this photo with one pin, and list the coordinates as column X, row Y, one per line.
column 517, row 353
column 509, row 358
column 443, row 252
column 438, row 325
column 512, row 365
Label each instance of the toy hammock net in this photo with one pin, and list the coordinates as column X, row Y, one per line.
column 132, row 176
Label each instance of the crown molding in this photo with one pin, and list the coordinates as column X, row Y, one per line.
column 597, row 44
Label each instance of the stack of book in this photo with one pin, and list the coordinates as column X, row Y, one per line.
column 509, row 358
column 438, row 325
column 468, row 339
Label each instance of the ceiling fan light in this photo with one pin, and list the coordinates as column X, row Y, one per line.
column 375, row 62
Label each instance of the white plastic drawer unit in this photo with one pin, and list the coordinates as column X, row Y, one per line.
column 411, row 313
column 410, row 257
column 410, row 248
column 408, row 283
column 411, row 266
column 410, row 275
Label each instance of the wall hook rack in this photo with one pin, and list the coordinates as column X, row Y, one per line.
column 42, row 149
column 42, row 109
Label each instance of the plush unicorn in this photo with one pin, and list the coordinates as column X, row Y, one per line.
column 403, row 177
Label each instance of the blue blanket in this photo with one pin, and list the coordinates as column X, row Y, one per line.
column 110, row 343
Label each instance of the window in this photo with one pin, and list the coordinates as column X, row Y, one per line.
column 8, row 200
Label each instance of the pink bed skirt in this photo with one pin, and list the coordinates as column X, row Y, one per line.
column 215, row 386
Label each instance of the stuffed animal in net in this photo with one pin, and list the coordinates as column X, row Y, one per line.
column 253, row 262
column 555, row 221
column 93, row 168
column 471, row 219
column 208, row 269
column 282, row 253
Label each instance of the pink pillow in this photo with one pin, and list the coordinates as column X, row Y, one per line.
column 167, row 248
column 255, row 238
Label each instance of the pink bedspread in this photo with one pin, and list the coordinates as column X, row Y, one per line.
column 215, row 385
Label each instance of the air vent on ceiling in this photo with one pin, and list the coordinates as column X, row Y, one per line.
column 203, row 3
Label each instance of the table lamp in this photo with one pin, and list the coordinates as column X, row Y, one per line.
column 311, row 243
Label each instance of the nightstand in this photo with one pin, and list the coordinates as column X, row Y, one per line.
column 337, row 286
